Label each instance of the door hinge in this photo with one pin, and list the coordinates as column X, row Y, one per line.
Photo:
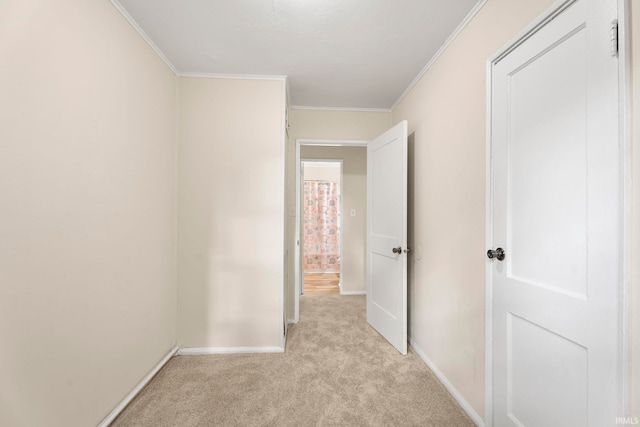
column 614, row 37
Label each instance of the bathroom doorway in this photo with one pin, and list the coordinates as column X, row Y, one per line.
column 321, row 225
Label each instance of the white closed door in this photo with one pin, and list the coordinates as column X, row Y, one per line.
column 556, row 214
column 387, row 252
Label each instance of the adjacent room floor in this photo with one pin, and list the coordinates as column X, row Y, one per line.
column 336, row 370
column 321, row 283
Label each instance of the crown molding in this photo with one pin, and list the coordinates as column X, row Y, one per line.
column 116, row 4
column 352, row 109
column 440, row 51
column 331, row 142
column 144, row 35
column 232, row 76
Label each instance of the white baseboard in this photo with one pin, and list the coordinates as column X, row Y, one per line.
column 455, row 393
column 290, row 321
column 123, row 404
column 192, row 351
column 353, row 292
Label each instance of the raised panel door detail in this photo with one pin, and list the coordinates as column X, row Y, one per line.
column 547, row 194
column 386, row 196
column 384, row 294
column 542, row 391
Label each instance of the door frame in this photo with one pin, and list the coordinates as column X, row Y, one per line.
column 298, row 271
column 300, row 215
column 624, row 124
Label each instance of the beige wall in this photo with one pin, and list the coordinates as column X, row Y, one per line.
column 231, row 199
column 87, row 196
column 354, row 196
column 320, row 125
column 336, row 125
column 87, row 201
column 322, row 172
column 634, row 291
column 446, row 113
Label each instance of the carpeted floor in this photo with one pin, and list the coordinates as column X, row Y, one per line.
column 336, row 371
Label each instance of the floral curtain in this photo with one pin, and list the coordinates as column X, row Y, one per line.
column 321, row 227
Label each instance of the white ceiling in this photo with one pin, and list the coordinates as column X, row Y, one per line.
column 336, row 53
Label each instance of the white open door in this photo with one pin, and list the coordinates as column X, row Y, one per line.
column 387, row 235
column 554, row 273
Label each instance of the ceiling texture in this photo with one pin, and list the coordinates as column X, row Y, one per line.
column 336, row 53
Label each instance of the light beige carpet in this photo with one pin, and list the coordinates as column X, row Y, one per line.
column 336, row 371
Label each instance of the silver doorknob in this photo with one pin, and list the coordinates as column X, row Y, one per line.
column 397, row 250
column 497, row 254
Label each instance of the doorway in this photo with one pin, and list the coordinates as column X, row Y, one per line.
column 380, row 261
column 320, row 240
column 353, row 157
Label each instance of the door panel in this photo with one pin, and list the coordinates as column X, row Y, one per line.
column 387, row 229
column 532, row 367
column 556, row 212
column 547, row 167
column 384, row 271
column 386, row 175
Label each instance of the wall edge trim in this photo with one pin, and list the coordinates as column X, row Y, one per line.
column 351, row 109
column 475, row 417
column 233, row 76
column 625, row 93
column 144, row 35
column 137, row 389
column 283, row 212
column 463, row 24
column 330, row 143
column 193, row 351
